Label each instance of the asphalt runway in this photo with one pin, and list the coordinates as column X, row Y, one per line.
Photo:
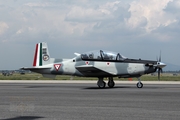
column 85, row 101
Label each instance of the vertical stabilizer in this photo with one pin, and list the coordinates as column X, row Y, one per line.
column 41, row 56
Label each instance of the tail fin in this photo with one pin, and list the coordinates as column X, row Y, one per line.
column 41, row 56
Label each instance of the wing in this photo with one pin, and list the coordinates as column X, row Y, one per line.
column 91, row 71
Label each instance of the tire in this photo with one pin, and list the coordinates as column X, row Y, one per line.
column 139, row 85
column 111, row 84
column 102, row 85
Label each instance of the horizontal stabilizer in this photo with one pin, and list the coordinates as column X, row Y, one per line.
column 42, row 69
column 34, row 68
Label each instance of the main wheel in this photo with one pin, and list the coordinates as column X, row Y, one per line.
column 102, row 84
column 111, row 84
column 139, row 85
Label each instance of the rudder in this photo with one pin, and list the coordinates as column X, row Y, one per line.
column 41, row 56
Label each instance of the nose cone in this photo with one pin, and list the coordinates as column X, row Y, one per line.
column 161, row 65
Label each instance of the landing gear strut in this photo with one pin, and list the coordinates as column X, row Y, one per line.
column 139, row 84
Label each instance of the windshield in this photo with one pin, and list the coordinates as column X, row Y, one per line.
column 102, row 55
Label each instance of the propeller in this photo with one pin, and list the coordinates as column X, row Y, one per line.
column 160, row 65
column 159, row 69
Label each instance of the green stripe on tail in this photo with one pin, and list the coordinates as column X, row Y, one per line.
column 40, row 55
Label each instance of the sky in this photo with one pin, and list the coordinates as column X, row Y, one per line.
column 134, row 28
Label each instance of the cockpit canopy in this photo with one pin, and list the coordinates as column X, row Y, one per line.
column 102, row 55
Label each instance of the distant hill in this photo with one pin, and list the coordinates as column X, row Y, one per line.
column 171, row 67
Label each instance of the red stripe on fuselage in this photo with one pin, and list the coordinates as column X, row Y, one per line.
column 35, row 55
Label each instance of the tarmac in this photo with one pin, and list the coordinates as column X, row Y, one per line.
column 86, row 81
column 83, row 100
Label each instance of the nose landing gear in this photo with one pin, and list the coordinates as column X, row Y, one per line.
column 139, row 84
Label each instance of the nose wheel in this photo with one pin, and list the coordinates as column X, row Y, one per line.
column 139, row 84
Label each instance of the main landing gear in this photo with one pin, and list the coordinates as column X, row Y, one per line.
column 102, row 84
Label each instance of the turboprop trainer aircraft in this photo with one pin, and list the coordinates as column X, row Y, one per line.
column 98, row 64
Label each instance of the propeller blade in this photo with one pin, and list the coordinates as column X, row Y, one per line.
column 160, row 57
column 159, row 72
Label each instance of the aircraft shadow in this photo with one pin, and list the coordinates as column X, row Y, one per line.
column 117, row 87
column 24, row 118
column 124, row 87
column 93, row 87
